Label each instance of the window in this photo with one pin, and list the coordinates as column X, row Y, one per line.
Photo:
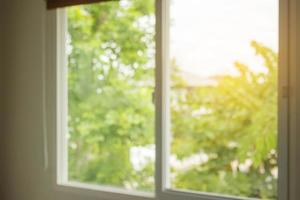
column 223, row 97
column 109, row 81
column 172, row 99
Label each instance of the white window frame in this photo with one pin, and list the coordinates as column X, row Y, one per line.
column 61, row 179
column 56, row 25
column 163, row 118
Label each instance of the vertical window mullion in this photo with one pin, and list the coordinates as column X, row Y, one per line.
column 166, row 94
column 158, row 100
column 62, row 153
column 162, row 94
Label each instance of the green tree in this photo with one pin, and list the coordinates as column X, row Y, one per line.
column 110, row 84
column 238, row 127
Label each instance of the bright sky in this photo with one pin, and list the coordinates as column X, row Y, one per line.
column 207, row 37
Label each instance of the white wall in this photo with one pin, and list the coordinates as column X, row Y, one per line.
column 295, row 99
column 2, row 142
column 24, row 177
column 23, row 174
column 1, row 127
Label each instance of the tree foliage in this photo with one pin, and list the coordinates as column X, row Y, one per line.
column 110, row 86
column 237, row 129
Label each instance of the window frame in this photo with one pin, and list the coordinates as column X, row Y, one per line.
column 162, row 105
column 56, row 24
column 61, row 178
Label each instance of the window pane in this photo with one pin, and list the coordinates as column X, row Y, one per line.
column 110, row 49
column 223, row 98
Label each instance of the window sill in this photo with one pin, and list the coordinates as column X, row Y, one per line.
column 103, row 192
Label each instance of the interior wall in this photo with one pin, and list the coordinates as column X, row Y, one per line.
column 24, row 177
column 1, row 101
column 1, row 119
column 295, row 99
column 22, row 63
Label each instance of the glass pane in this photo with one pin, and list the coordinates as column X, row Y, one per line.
column 223, row 97
column 110, row 51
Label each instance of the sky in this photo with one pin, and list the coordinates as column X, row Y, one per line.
column 207, row 37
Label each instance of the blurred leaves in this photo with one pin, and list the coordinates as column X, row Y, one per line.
column 110, row 83
column 238, row 123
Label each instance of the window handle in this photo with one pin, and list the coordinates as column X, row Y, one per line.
column 153, row 97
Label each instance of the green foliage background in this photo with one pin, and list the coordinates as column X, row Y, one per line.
column 111, row 80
